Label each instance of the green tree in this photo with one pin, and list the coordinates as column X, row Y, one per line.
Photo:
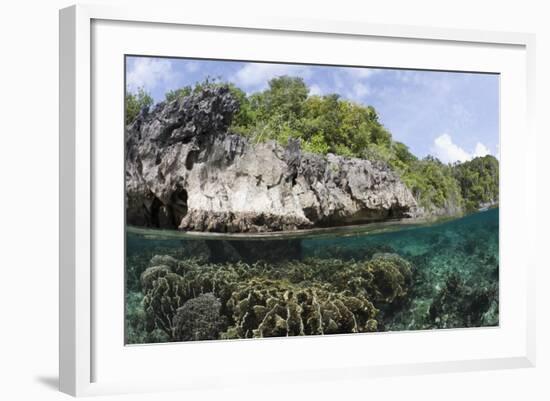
column 479, row 181
column 347, row 128
column 433, row 184
column 246, row 117
column 285, row 97
column 135, row 102
column 330, row 124
column 178, row 93
column 274, row 113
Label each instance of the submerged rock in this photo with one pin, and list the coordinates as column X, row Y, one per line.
column 185, row 170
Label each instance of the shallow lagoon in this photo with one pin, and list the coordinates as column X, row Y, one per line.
column 380, row 277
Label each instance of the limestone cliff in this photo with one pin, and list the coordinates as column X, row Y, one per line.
column 185, row 170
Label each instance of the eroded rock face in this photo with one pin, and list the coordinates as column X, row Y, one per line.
column 185, row 170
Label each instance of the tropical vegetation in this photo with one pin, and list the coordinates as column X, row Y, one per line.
column 330, row 124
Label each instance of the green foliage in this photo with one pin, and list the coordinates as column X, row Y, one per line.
column 453, row 188
column 317, row 144
column 345, row 128
column 478, row 180
column 246, row 115
column 285, row 99
column 178, row 93
column 330, row 124
column 322, row 123
column 135, row 102
column 400, row 156
column 433, row 184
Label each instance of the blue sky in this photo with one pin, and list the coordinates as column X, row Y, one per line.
column 453, row 116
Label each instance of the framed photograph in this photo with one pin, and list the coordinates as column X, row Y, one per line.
column 289, row 199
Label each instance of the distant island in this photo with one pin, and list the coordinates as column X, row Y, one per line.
column 211, row 158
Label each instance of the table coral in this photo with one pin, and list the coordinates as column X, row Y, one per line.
column 312, row 296
column 267, row 308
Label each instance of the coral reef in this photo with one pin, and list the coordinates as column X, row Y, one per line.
column 268, row 308
column 164, row 294
column 198, row 319
column 456, row 274
column 392, row 275
column 312, row 296
column 458, row 304
column 441, row 276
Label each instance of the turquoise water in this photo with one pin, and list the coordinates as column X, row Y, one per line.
column 374, row 278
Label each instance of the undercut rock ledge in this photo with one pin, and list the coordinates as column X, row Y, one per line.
column 186, row 170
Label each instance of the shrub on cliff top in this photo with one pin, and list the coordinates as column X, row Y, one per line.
column 135, row 102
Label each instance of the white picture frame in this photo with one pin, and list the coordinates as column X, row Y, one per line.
column 88, row 362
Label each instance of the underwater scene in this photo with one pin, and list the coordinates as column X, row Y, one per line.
column 432, row 276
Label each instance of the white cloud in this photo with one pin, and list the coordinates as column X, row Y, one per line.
column 256, row 75
column 481, row 150
column 315, row 90
column 148, row 72
column 357, row 92
column 448, row 152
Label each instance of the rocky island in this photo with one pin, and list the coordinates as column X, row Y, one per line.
column 186, row 170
